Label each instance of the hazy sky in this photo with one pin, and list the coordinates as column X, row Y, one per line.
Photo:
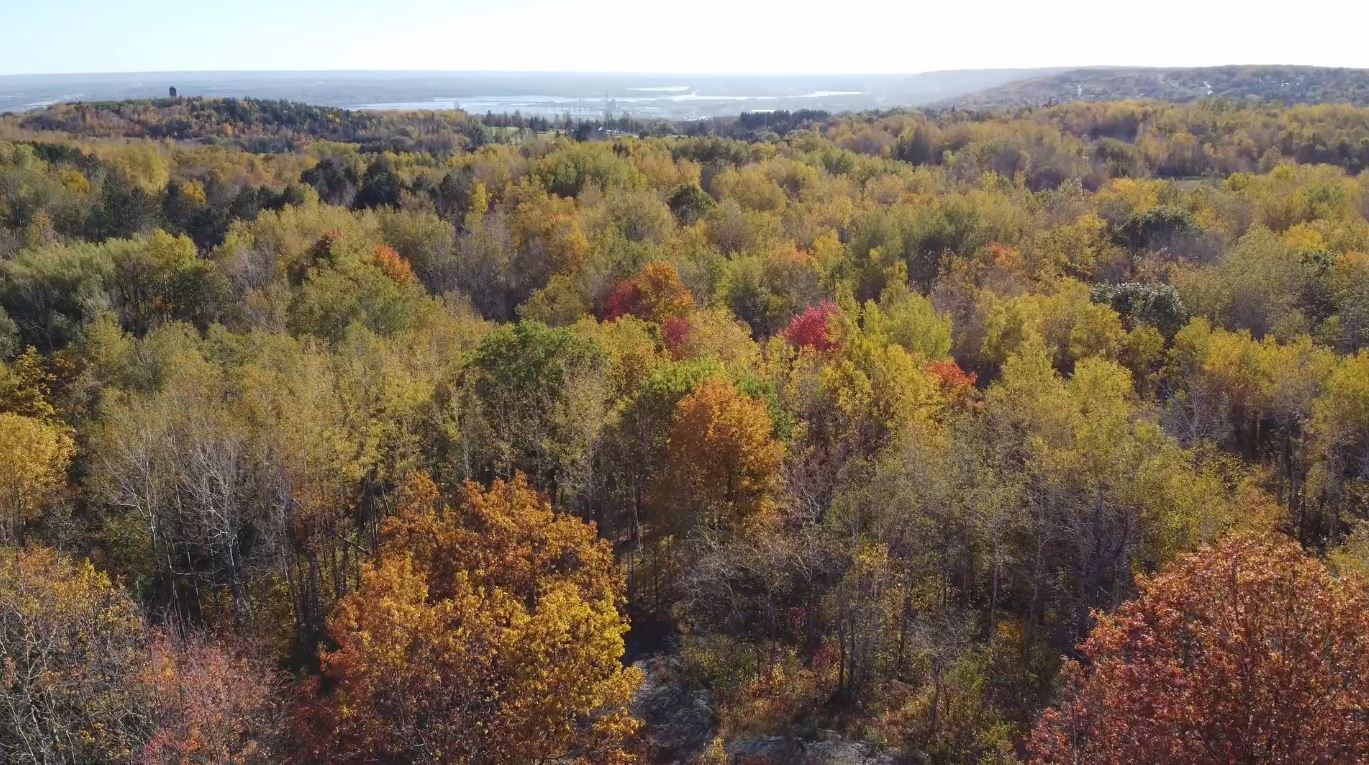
column 693, row 36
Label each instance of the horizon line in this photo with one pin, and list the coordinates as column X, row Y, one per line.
column 659, row 73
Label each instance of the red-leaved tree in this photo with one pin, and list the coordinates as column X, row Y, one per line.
column 1247, row 651
column 812, row 328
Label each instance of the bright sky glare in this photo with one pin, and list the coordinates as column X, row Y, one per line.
column 696, row 36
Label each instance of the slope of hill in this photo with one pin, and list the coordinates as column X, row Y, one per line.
column 1280, row 84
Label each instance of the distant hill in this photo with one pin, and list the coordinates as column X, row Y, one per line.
column 1278, row 84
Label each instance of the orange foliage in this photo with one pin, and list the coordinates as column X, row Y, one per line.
column 663, row 295
column 1247, row 651
column 725, row 461
column 210, row 705
column 656, row 294
column 488, row 633
column 394, row 265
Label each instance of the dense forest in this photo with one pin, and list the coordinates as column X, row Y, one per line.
column 1275, row 84
column 973, row 436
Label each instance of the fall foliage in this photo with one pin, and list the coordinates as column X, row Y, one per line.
column 72, row 647
column 351, row 436
column 1245, row 651
column 724, row 458
column 34, row 456
column 488, row 632
column 86, row 680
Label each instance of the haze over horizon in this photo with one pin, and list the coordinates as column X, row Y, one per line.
column 599, row 36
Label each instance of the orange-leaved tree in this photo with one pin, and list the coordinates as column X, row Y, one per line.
column 487, row 633
column 657, row 294
column 210, row 702
column 724, row 459
column 1246, row 651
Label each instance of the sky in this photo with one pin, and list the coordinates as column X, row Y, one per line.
column 685, row 36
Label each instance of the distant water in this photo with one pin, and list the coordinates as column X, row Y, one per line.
column 532, row 93
column 665, row 101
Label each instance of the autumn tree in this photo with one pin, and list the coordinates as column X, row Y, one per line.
column 656, row 294
column 724, row 458
column 71, row 656
column 810, row 328
column 83, row 679
column 1247, row 651
column 34, row 455
column 210, row 703
column 489, row 632
column 186, row 502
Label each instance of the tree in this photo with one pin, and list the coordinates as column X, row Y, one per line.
column 662, row 295
column 71, row 654
column 1246, row 651
column 488, row 633
column 335, row 179
column 537, row 394
column 381, row 186
column 34, row 456
column 656, row 295
column 1158, row 228
column 210, row 704
column 9, row 336
column 723, row 456
column 811, row 329
column 690, row 203
column 1158, row 306
column 83, row 680
column 189, row 503
column 51, row 291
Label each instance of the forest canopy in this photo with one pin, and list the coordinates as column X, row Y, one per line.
column 436, row 438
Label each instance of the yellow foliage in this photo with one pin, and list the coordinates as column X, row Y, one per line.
column 489, row 631
column 34, row 455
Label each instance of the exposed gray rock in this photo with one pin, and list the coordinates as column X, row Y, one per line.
column 678, row 720
column 765, row 750
column 840, row 752
column 785, row 750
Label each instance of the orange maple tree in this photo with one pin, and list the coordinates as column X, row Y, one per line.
column 656, row 294
column 1247, row 651
column 486, row 633
column 723, row 456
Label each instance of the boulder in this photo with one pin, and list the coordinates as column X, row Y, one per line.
column 678, row 720
column 787, row 750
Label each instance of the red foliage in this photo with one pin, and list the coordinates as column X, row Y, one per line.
column 812, row 328
column 1247, row 651
column 624, row 300
column 676, row 332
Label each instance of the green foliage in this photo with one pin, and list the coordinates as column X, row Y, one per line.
column 875, row 413
column 537, row 397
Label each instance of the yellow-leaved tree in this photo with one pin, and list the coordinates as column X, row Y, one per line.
column 487, row 633
column 34, row 455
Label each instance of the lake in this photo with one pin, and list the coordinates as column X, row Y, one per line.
column 675, row 96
